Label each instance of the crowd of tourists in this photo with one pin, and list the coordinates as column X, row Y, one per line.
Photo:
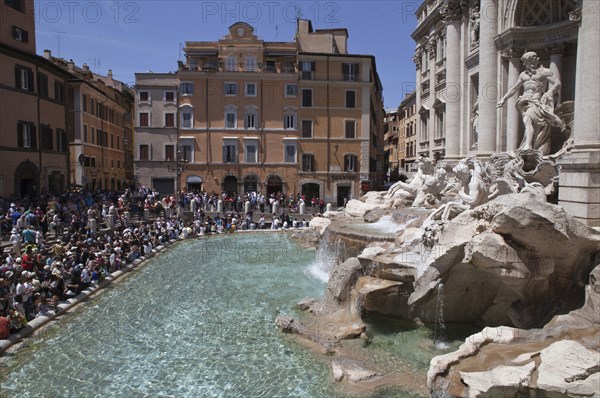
column 59, row 246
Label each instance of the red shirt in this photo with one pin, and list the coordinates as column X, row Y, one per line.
column 4, row 327
column 27, row 262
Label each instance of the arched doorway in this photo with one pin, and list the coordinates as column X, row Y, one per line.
column 194, row 183
column 309, row 191
column 274, row 185
column 27, row 179
column 250, row 183
column 230, row 185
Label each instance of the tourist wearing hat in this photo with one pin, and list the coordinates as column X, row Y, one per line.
column 15, row 241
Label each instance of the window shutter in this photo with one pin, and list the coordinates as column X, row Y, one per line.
column 25, row 36
column 20, row 134
column 344, row 70
column 17, row 76
column 357, row 71
column 30, row 78
column 224, row 153
column 33, row 136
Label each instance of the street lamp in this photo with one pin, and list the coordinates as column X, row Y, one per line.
column 181, row 163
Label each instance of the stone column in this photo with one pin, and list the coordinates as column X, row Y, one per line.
column 512, row 115
column 579, row 181
column 453, row 93
column 556, row 54
column 488, row 78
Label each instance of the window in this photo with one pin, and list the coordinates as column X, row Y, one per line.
column 350, row 163
column 230, row 63
column 144, row 152
column 92, row 106
column 291, row 90
column 289, row 121
column 118, row 143
column 306, row 98
column 269, row 66
column 85, row 133
column 61, row 140
column 289, row 152
column 250, row 65
column 288, row 67
column 144, row 96
column 169, row 152
column 84, row 103
column 251, row 152
column 440, row 118
column 350, row 99
column 307, row 69
column 93, row 135
column 27, row 136
column 43, row 85
column 424, row 127
column 230, row 89
column 93, row 161
column 350, row 128
column 144, row 119
column 441, row 48
column 308, row 162
column 250, row 119
column 169, row 120
column 20, row 35
column 46, row 138
column 59, row 92
column 169, row 96
column 350, row 72
column 230, row 119
column 307, row 126
column 250, row 89
column 229, row 151
column 187, row 117
column 186, row 88
column 23, row 78
column 112, row 140
column 15, row 4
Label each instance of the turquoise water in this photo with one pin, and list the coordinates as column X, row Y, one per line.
column 196, row 321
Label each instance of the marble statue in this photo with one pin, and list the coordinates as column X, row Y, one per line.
column 536, row 104
column 474, row 123
column 473, row 192
column 475, row 15
column 424, row 187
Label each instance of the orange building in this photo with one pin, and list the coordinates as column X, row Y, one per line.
column 99, row 117
column 248, row 115
column 33, row 140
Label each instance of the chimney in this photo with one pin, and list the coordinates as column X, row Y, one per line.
column 48, row 54
column 86, row 68
column 71, row 66
column 109, row 74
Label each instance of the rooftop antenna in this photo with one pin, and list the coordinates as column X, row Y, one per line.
column 58, row 41
column 276, row 32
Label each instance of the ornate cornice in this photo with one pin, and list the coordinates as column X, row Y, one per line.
column 510, row 53
column 431, row 46
column 417, row 60
column 520, row 38
column 452, row 10
column 575, row 15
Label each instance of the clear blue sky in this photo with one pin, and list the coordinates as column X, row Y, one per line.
column 140, row 36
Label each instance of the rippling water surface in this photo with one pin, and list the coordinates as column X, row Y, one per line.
column 196, row 321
